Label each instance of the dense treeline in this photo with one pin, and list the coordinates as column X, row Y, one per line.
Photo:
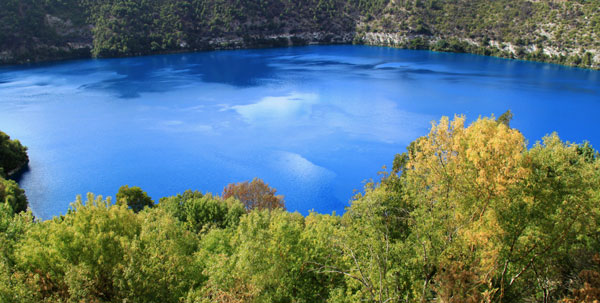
column 564, row 32
column 39, row 30
column 141, row 27
column 467, row 214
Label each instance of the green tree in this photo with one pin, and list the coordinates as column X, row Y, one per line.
column 199, row 213
column 375, row 261
column 99, row 252
column 134, row 197
column 12, row 281
column 81, row 255
column 159, row 264
column 12, row 195
column 505, row 118
column 268, row 262
column 13, row 155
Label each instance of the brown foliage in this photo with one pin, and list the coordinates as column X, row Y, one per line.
column 460, row 283
column 241, row 293
column 590, row 292
column 45, row 286
column 254, row 195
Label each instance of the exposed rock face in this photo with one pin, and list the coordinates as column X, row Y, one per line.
column 503, row 49
column 296, row 39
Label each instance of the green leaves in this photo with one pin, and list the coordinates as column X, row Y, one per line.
column 13, row 155
column 104, row 252
column 199, row 213
column 12, row 195
column 134, row 198
column 468, row 214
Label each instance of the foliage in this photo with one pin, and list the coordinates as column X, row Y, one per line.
column 13, row 155
column 564, row 32
column 469, row 213
column 589, row 283
column 101, row 252
column 134, row 198
column 12, row 230
column 488, row 208
column 254, row 195
column 505, row 118
column 12, row 195
column 269, row 259
column 199, row 213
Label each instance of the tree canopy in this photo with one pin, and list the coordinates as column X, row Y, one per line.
column 469, row 213
column 254, row 195
column 13, row 155
column 134, row 197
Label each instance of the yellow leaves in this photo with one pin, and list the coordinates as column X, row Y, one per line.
column 460, row 177
column 479, row 162
column 487, row 208
column 495, row 152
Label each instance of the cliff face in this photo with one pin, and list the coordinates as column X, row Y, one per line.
column 565, row 32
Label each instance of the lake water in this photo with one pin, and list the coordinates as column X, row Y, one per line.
column 313, row 122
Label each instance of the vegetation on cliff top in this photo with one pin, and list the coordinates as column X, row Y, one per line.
column 13, row 157
column 564, row 32
column 467, row 214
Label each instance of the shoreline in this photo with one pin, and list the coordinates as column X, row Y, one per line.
column 392, row 40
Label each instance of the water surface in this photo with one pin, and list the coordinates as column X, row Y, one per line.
column 313, row 122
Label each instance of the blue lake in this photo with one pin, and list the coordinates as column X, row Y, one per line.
column 313, row 122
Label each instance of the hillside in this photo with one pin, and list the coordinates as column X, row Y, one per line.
column 565, row 32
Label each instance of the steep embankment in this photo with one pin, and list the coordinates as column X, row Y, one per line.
column 565, row 32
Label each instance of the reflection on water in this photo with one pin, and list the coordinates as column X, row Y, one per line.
column 314, row 122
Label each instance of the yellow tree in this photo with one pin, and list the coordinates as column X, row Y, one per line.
column 456, row 177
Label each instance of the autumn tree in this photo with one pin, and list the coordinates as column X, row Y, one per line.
column 454, row 178
column 489, row 215
column 254, row 195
